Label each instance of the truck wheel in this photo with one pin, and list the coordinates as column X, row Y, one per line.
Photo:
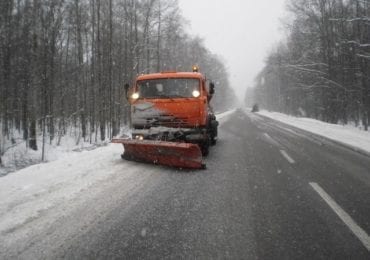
column 214, row 138
column 213, row 132
column 204, row 147
column 205, row 150
column 213, row 141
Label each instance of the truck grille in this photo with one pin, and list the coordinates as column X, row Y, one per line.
column 167, row 120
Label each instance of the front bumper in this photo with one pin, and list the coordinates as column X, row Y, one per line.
column 191, row 135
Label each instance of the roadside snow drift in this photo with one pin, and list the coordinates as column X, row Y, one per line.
column 346, row 134
column 27, row 193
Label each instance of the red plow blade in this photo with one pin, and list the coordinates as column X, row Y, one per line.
column 180, row 155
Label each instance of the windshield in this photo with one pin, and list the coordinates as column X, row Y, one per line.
column 168, row 88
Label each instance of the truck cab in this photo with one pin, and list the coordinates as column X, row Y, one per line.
column 173, row 106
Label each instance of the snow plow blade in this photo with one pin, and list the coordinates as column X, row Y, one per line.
column 179, row 155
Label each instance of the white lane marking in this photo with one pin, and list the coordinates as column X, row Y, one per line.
column 351, row 224
column 286, row 155
column 269, row 139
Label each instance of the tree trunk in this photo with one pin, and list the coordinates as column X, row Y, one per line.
column 32, row 139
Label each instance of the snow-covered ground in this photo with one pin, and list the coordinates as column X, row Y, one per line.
column 27, row 193
column 221, row 117
column 19, row 156
column 346, row 134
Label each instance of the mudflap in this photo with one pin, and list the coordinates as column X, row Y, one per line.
column 179, row 155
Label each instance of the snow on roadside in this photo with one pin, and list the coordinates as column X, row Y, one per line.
column 221, row 117
column 27, row 193
column 346, row 134
column 19, row 156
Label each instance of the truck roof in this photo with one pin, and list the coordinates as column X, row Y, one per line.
column 171, row 74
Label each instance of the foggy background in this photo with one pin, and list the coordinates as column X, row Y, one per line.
column 241, row 31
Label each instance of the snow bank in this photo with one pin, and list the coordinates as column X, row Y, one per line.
column 345, row 134
column 221, row 117
column 27, row 193
column 19, row 156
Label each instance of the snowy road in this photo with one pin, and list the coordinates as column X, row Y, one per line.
column 270, row 192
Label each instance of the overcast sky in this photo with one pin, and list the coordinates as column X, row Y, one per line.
column 241, row 31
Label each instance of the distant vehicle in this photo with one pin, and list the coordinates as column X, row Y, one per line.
column 255, row 108
column 173, row 123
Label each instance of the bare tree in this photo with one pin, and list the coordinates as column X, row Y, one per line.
column 324, row 63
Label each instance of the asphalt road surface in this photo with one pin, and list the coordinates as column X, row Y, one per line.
column 269, row 192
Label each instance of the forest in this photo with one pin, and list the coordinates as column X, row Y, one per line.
column 64, row 64
column 322, row 68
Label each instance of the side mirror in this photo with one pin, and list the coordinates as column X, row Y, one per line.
column 211, row 88
column 126, row 86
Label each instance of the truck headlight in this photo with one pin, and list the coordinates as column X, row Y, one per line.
column 135, row 95
column 139, row 137
column 195, row 93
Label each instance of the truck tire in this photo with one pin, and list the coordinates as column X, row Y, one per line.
column 213, row 140
column 213, row 136
column 212, row 129
column 205, row 150
column 204, row 147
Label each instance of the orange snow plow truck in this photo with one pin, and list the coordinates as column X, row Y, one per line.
column 173, row 122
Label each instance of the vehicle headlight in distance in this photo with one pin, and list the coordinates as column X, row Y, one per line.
column 196, row 93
